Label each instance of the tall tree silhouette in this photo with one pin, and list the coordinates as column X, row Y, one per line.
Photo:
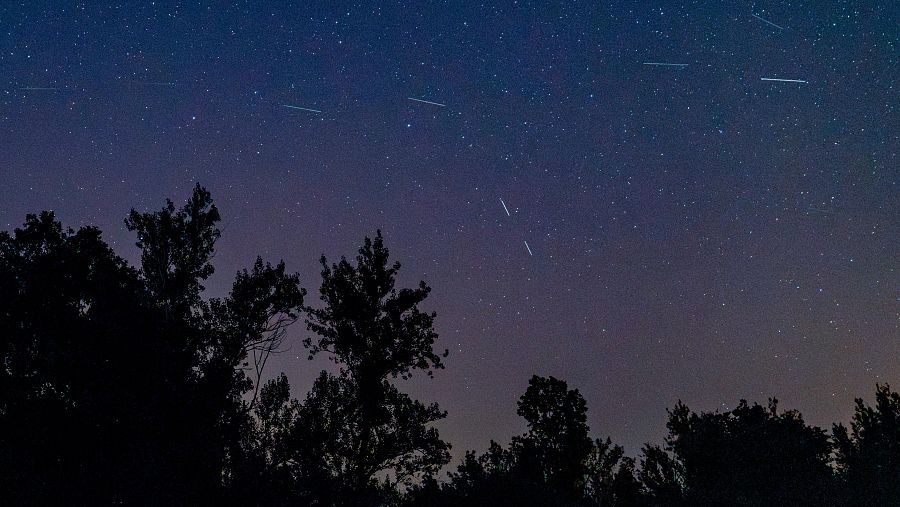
column 868, row 456
column 557, row 445
column 359, row 424
column 176, row 251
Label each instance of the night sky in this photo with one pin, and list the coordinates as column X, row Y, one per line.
column 694, row 231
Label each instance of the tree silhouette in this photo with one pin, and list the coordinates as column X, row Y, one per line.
column 127, row 386
column 176, row 249
column 661, row 476
column 752, row 455
column 241, row 331
column 260, row 469
column 611, row 476
column 868, row 457
column 124, row 386
column 557, row 444
column 357, row 423
column 80, row 419
column 554, row 463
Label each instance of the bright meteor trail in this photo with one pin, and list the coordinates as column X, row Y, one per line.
column 504, row 207
column 663, row 64
column 529, row 249
column 782, row 80
column 766, row 21
column 428, row 102
column 301, row 108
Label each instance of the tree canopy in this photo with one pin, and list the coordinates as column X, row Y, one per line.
column 362, row 427
column 128, row 385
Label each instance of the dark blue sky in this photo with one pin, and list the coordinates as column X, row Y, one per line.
column 696, row 232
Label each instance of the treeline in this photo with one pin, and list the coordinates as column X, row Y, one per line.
column 121, row 385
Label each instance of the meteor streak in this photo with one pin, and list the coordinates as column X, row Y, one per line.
column 38, row 88
column 529, row 248
column 428, row 102
column 782, row 80
column 664, row 64
column 767, row 22
column 301, row 108
column 504, row 207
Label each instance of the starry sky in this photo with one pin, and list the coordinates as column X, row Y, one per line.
column 694, row 230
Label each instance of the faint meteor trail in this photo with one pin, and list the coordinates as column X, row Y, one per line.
column 504, row 207
column 665, row 64
column 529, row 249
column 767, row 21
column 428, row 102
column 301, row 108
column 38, row 88
column 782, row 80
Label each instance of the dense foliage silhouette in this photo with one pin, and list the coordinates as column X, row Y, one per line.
column 751, row 455
column 868, row 457
column 125, row 385
column 364, row 426
column 554, row 463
